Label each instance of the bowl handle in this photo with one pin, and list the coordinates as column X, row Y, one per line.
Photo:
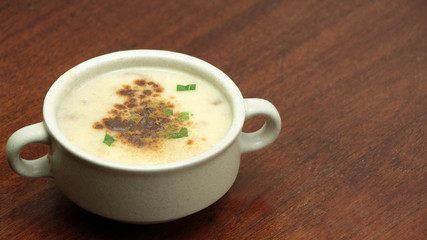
column 249, row 142
column 35, row 133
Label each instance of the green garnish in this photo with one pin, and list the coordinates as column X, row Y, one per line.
column 189, row 87
column 152, row 103
column 174, row 133
column 135, row 117
column 182, row 133
column 108, row 139
column 184, row 116
column 168, row 111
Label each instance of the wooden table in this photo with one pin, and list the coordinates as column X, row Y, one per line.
column 349, row 79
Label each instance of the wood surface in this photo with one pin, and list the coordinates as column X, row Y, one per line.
column 349, row 79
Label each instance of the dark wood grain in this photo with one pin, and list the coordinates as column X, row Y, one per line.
column 349, row 79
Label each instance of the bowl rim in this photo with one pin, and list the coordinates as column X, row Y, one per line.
column 165, row 57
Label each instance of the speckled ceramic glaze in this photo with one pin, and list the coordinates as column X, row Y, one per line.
column 143, row 194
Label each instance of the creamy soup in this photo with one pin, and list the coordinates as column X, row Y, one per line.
column 145, row 116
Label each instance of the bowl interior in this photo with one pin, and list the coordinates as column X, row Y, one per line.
column 89, row 69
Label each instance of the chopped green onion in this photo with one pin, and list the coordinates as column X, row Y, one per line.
column 182, row 133
column 184, row 116
column 135, row 117
column 108, row 139
column 152, row 103
column 175, row 134
column 168, row 111
column 185, row 87
column 192, row 87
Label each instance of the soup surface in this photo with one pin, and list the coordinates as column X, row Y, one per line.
column 145, row 116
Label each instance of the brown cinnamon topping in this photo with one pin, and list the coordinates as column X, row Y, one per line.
column 97, row 125
column 119, row 106
column 139, row 82
column 143, row 118
column 126, row 91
